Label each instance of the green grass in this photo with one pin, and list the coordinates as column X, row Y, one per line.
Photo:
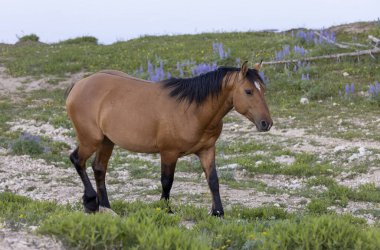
column 304, row 165
column 337, row 194
column 330, row 113
column 148, row 226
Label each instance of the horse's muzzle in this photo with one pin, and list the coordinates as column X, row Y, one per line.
column 264, row 125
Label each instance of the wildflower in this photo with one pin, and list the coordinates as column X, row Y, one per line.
column 150, row 67
column 347, row 89
column 221, row 51
column 305, row 77
column 372, row 90
column 238, row 62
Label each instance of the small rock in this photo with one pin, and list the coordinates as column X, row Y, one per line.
column 304, row 100
column 285, row 159
column 107, row 210
column 339, row 148
column 229, row 166
column 258, row 163
column 362, row 152
column 345, row 74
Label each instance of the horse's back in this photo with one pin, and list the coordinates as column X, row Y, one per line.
column 121, row 107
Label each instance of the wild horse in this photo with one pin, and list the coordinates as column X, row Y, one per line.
column 175, row 117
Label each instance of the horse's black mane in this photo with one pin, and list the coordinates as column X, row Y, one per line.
column 198, row 88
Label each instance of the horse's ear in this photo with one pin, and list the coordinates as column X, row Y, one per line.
column 244, row 68
column 258, row 65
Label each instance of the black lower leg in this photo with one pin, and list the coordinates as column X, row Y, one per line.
column 100, row 176
column 167, row 183
column 89, row 198
column 167, row 178
column 213, row 182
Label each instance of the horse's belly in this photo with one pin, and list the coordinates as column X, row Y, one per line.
column 139, row 145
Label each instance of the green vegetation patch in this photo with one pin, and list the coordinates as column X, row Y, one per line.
column 148, row 226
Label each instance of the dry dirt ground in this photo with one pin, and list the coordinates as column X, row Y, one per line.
column 42, row 181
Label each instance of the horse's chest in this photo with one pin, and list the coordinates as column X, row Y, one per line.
column 203, row 140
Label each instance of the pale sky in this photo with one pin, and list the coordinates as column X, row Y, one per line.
column 116, row 20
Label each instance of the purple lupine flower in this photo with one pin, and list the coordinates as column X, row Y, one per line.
column 300, row 50
column 352, row 89
column 265, row 79
column 332, row 36
column 150, row 67
column 141, row 71
column 180, row 72
column 215, row 47
column 237, row 62
column 221, row 51
column 202, row 68
column 377, row 87
column 261, row 73
column 305, row 77
column 168, row 75
column 347, row 89
column 214, row 66
column 372, row 90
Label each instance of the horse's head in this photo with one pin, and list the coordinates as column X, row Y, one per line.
column 248, row 97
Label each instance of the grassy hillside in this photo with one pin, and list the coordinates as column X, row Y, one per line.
column 321, row 139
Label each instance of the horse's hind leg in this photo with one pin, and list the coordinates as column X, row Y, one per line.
column 99, row 166
column 79, row 157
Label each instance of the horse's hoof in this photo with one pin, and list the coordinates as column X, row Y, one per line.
column 107, row 210
column 90, row 204
column 217, row 213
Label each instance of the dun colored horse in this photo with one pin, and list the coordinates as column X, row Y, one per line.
column 175, row 117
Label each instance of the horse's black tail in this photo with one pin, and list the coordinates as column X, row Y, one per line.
column 68, row 90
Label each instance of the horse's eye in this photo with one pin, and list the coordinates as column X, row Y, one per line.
column 248, row 91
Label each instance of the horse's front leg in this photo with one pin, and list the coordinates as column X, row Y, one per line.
column 168, row 163
column 207, row 158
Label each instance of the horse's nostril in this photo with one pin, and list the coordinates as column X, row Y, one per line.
column 264, row 124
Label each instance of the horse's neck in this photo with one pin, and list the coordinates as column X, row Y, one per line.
column 215, row 109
